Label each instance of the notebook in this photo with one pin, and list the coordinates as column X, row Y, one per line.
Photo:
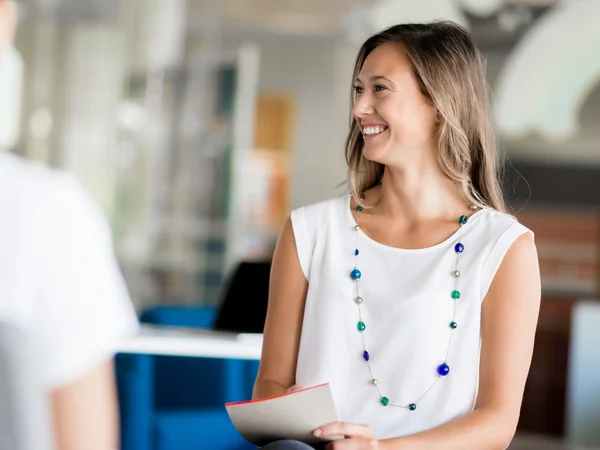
column 294, row 415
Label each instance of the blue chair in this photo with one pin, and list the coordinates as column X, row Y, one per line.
column 176, row 403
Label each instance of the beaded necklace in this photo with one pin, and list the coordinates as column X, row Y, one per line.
column 443, row 369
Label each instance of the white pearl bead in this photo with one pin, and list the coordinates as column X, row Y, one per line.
column 374, row 382
column 456, row 274
column 473, row 207
column 356, row 228
column 358, row 300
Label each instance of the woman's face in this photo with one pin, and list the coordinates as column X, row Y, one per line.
column 395, row 119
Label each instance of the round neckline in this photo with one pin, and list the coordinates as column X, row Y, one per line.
column 367, row 238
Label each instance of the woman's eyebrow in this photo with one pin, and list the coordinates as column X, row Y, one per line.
column 376, row 78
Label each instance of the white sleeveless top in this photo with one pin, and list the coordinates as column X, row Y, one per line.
column 407, row 310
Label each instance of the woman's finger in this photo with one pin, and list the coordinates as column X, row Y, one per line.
column 351, row 430
column 354, row 444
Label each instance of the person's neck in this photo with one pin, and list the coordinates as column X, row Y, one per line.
column 419, row 194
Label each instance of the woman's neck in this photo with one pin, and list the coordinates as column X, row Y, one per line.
column 416, row 195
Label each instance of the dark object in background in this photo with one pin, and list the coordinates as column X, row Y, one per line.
column 557, row 185
column 244, row 305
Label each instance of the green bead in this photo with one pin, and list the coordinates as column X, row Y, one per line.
column 359, row 208
column 462, row 220
column 455, row 294
column 412, row 406
column 453, row 325
column 384, row 401
column 361, row 326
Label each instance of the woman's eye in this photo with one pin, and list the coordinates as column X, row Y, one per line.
column 358, row 90
column 379, row 87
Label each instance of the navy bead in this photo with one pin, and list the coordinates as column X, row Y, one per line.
column 412, row 406
column 458, row 248
column 366, row 355
column 355, row 274
column 356, row 252
column 443, row 370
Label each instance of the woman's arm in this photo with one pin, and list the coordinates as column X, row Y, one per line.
column 509, row 319
column 85, row 413
column 287, row 296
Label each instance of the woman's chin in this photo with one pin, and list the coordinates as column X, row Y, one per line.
column 375, row 153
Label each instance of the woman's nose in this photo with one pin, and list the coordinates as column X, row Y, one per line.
column 362, row 106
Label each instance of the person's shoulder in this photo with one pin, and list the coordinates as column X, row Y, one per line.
column 32, row 182
column 496, row 223
column 324, row 208
column 33, row 192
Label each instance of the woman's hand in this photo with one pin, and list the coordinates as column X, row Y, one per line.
column 357, row 436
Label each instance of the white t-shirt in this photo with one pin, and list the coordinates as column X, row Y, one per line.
column 407, row 309
column 59, row 278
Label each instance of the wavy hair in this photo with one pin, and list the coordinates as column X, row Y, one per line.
column 450, row 71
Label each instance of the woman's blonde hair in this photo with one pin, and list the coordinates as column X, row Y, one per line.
column 451, row 74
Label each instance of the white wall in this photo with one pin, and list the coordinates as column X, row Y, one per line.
column 317, row 72
column 582, row 149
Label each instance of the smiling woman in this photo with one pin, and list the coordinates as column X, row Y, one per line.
column 400, row 75
column 415, row 296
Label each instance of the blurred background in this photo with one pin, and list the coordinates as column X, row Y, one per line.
column 198, row 124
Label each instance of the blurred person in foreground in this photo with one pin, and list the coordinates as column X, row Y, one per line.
column 416, row 295
column 61, row 282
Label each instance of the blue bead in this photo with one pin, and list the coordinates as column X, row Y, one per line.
column 458, row 248
column 356, row 252
column 443, row 370
column 366, row 355
column 412, row 406
column 355, row 274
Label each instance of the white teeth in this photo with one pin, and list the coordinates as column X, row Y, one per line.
column 369, row 131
